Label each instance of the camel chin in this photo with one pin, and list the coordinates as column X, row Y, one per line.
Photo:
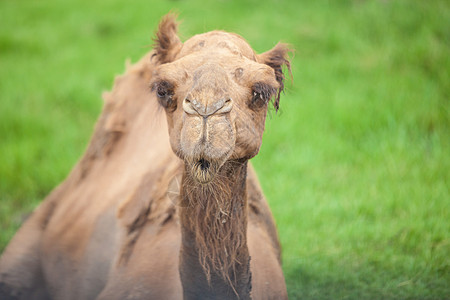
column 203, row 170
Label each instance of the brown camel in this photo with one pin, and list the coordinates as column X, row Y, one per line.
column 163, row 205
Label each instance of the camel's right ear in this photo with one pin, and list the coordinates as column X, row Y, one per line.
column 166, row 43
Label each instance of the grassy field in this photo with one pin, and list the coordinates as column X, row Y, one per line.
column 356, row 165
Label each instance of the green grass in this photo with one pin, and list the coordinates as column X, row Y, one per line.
column 356, row 164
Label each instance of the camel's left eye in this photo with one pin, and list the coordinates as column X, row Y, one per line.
column 261, row 94
column 258, row 99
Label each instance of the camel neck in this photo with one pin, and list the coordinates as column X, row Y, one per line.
column 214, row 258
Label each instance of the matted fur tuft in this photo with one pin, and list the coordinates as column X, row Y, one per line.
column 277, row 58
column 218, row 218
column 166, row 42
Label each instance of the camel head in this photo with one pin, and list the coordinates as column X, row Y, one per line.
column 215, row 91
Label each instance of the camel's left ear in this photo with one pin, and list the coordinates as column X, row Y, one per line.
column 277, row 57
column 167, row 44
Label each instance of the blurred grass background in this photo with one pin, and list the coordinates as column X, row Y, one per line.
column 355, row 166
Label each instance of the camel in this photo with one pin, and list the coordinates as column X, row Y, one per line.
column 164, row 203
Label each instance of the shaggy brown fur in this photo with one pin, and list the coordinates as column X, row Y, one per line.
column 217, row 215
column 163, row 204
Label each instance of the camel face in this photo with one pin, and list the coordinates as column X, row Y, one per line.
column 215, row 94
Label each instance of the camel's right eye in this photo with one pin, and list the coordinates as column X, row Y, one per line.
column 165, row 94
column 161, row 92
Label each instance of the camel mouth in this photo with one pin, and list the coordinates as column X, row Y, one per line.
column 204, row 164
column 203, row 170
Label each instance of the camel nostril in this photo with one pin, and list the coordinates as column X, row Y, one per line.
column 226, row 106
column 189, row 106
column 204, row 164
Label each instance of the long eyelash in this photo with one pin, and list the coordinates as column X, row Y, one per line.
column 265, row 90
column 162, row 84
